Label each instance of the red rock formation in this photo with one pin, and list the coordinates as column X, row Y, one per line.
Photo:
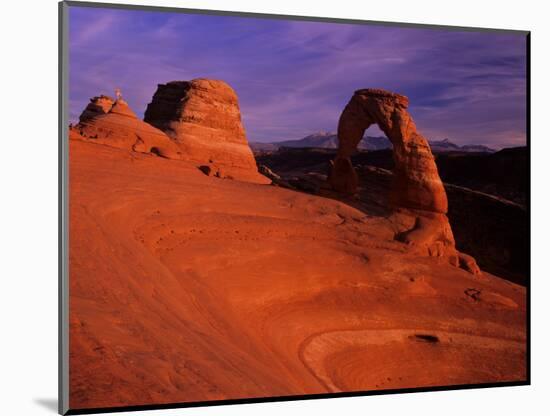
column 113, row 123
column 98, row 105
column 417, row 192
column 203, row 117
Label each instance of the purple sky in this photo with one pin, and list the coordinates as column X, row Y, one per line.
column 294, row 78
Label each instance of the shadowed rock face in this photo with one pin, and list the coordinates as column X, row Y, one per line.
column 203, row 117
column 113, row 123
column 417, row 193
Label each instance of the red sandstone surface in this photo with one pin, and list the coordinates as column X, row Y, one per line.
column 188, row 288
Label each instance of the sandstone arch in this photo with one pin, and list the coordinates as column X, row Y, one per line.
column 417, row 196
column 416, row 181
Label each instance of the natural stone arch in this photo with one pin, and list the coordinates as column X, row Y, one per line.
column 417, row 194
column 416, row 180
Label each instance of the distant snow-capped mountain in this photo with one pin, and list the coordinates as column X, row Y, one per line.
column 329, row 140
column 323, row 139
column 446, row 145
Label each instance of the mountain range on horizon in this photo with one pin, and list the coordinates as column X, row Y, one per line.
column 329, row 140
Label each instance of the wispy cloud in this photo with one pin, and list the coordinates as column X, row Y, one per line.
column 94, row 28
column 294, row 78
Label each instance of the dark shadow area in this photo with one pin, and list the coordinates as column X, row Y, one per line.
column 49, row 404
column 155, row 151
column 487, row 195
column 432, row 339
column 503, row 174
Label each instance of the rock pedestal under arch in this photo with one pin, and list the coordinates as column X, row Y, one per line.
column 417, row 194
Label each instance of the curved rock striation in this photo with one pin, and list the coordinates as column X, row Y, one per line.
column 113, row 123
column 202, row 116
column 417, row 191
